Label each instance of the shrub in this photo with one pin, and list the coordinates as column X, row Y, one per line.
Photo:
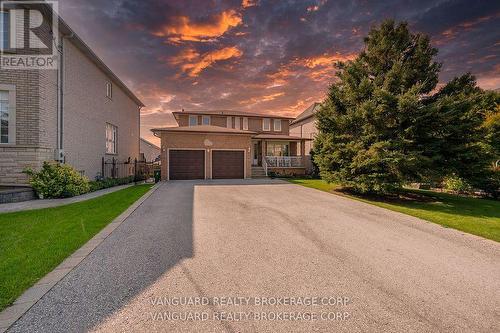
column 57, row 180
column 109, row 182
column 456, row 184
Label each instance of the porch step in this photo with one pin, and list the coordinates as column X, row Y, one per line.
column 258, row 172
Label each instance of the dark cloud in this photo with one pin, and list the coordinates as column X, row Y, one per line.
column 266, row 56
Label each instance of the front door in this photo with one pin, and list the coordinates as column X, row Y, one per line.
column 255, row 159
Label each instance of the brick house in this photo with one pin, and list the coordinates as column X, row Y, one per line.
column 76, row 114
column 229, row 144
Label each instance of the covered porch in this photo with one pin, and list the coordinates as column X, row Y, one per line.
column 279, row 154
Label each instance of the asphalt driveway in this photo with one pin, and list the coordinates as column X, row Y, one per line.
column 274, row 257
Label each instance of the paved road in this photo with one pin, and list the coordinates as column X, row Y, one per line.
column 263, row 240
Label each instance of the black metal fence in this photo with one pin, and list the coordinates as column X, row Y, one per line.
column 140, row 170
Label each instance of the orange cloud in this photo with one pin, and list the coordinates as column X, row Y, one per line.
column 186, row 55
column 317, row 68
column 451, row 33
column 325, row 60
column 183, row 29
column 265, row 98
column 193, row 63
column 248, row 3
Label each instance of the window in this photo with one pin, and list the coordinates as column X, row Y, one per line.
column 111, row 136
column 245, row 124
column 109, row 90
column 205, row 120
column 193, row 120
column 277, row 149
column 237, row 122
column 229, row 122
column 266, row 124
column 4, row 30
column 277, row 125
column 4, row 116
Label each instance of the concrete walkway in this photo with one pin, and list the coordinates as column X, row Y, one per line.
column 46, row 203
column 244, row 245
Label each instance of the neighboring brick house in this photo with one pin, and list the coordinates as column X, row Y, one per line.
column 76, row 114
column 149, row 151
column 229, row 144
column 304, row 126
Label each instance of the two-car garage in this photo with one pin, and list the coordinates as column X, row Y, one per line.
column 205, row 152
column 190, row 164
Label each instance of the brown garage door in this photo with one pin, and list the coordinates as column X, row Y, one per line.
column 186, row 164
column 228, row 164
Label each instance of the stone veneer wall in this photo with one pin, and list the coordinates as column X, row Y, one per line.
column 15, row 159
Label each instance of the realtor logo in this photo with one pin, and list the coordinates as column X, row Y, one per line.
column 29, row 35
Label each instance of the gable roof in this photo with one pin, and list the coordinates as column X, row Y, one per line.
column 307, row 113
column 150, row 143
column 230, row 113
column 67, row 32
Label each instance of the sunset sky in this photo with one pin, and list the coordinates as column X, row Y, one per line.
column 265, row 56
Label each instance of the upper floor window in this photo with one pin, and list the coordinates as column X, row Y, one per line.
column 193, row 120
column 4, row 30
column 229, row 122
column 205, row 120
column 4, row 116
column 277, row 125
column 111, row 138
column 245, row 124
column 237, row 122
column 109, row 90
column 266, row 124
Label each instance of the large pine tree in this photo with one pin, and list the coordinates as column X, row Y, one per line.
column 381, row 125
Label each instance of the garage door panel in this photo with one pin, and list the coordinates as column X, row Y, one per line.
column 228, row 164
column 186, row 164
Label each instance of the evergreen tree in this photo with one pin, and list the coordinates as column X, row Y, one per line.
column 369, row 122
column 381, row 125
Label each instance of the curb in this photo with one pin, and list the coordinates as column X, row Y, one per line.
column 32, row 295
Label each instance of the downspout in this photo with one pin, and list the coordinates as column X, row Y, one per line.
column 60, row 156
column 60, row 91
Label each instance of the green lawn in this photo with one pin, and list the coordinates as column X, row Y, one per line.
column 475, row 216
column 33, row 243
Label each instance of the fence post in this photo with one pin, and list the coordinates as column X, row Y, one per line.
column 113, row 173
column 102, row 168
column 135, row 168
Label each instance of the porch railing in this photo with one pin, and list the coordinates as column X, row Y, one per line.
column 284, row 161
